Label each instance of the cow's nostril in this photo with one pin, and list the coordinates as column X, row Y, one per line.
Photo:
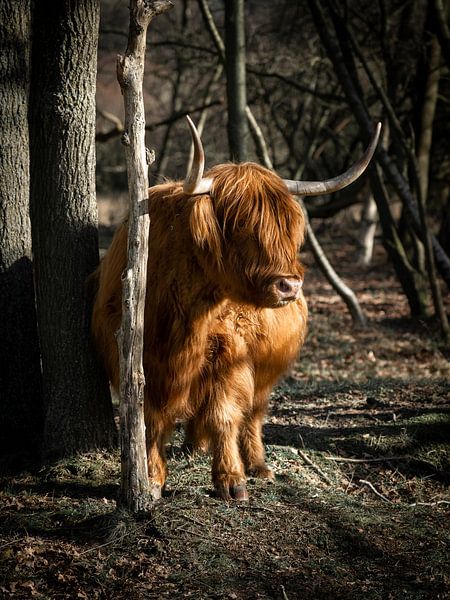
column 284, row 286
column 288, row 289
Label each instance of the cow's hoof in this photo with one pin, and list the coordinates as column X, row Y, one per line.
column 239, row 492
column 236, row 492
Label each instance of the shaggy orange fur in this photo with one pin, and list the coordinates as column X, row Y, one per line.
column 216, row 335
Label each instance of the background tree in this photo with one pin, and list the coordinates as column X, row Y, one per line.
column 235, row 67
column 20, row 377
column 337, row 39
column 78, row 412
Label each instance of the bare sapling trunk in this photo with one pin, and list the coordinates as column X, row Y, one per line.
column 135, row 490
column 236, row 79
column 369, row 219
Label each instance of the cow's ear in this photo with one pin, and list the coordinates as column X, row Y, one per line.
column 205, row 229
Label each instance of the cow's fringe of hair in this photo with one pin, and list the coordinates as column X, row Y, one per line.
column 248, row 199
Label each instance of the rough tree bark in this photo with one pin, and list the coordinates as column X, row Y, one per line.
column 78, row 410
column 136, row 495
column 20, row 371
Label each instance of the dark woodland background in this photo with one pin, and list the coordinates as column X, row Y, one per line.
column 358, row 431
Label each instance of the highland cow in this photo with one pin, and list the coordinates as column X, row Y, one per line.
column 225, row 314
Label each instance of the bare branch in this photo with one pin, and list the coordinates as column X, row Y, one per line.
column 327, row 98
column 136, row 494
column 375, row 491
column 176, row 116
column 211, row 26
column 344, row 459
column 317, row 469
column 347, row 295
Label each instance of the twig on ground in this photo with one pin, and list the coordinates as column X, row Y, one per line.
column 254, row 507
column 10, row 543
column 315, row 468
column 430, row 503
column 208, row 538
column 349, row 482
column 375, row 491
column 97, row 547
column 366, row 460
column 195, row 521
column 283, row 591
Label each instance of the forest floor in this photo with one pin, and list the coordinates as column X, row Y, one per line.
column 358, row 434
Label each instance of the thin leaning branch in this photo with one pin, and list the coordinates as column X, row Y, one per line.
column 347, row 294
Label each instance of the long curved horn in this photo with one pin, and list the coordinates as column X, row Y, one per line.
column 194, row 182
column 316, row 188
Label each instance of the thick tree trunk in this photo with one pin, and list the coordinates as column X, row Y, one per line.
column 78, row 410
column 20, row 371
column 236, row 84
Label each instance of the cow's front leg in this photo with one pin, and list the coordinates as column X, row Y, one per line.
column 156, row 434
column 252, row 447
column 228, row 473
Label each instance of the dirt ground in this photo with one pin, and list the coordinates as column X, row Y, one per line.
column 358, row 434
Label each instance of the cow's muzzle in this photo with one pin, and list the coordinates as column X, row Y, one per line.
column 287, row 289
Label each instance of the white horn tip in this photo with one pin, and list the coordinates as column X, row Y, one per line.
column 190, row 121
column 194, row 182
column 378, row 131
